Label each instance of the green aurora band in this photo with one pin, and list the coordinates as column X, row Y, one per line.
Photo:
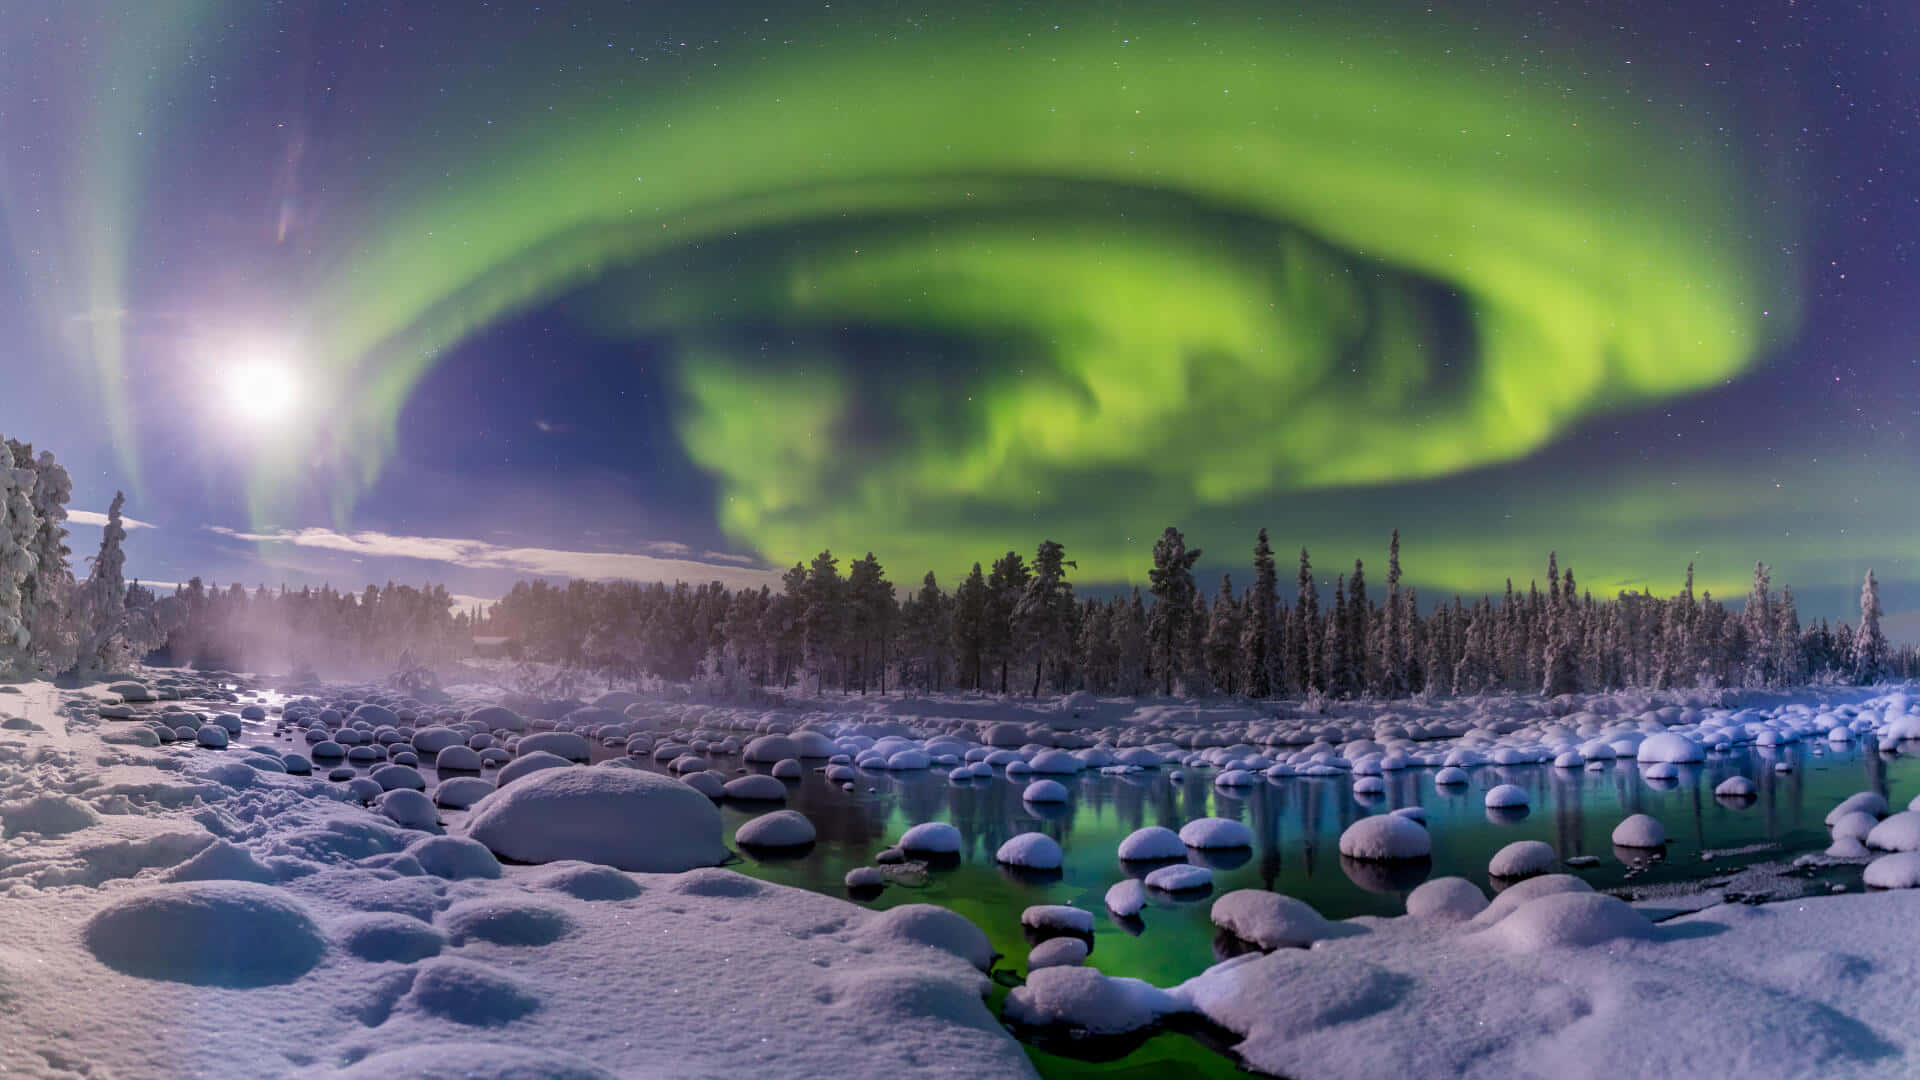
column 940, row 295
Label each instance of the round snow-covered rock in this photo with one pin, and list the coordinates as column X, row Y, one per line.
column 1899, row 870
column 1447, row 899
column 1057, row 918
column 1152, row 843
column 1269, row 920
column 932, row 838
column 1057, row 952
column 1215, row 832
column 1522, row 858
column 1044, row 791
column 1735, row 787
column 1866, row 802
column 1386, row 837
column 780, row 829
column 1571, row 920
column 1508, row 797
column 755, row 787
column 1180, row 877
column 623, row 818
column 1032, row 850
column 1669, row 747
column 1640, row 831
column 1126, row 897
column 1901, row 832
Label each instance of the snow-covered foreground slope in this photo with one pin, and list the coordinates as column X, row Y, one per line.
column 1564, row 984
column 168, row 911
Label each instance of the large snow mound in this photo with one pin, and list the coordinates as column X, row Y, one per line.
column 1569, row 919
column 622, row 818
column 207, row 933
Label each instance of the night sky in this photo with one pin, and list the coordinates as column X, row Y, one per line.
column 471, row 292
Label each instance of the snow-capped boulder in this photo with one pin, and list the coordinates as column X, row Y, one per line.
column 1570, row 920
column 528, row 764
column 461, row 792
column 755, row 787
column 1669, row 747
column 1270, row 920
column 1854, row 825
column 1084, row 998
column 1057, row 918
column 454, row 857
column 623, row 818
column 780, row 829
column 1735, row 787
column 1640, row 831
column 1126, row 897
column 1154, row 842
column 1386, row 837
column 1032, row 850
column 928, row 924
column 1508, row 797
column 1447, row 899
column 1868, row 802
column 1216, row 832
column 1522, row 858
column 931, row 838
column 562, row 744
column 1900, row 832
column 1180, row 877
column 1044, row 791
column 1899, row 870
column 1057, row 952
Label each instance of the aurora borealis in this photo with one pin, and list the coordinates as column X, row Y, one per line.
column 941, row 285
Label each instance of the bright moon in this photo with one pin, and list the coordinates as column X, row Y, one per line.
column 261, row 390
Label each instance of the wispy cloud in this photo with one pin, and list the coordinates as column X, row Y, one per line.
column 655, row 564
column 99, row 520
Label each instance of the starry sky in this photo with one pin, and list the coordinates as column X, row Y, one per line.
column 470, row 293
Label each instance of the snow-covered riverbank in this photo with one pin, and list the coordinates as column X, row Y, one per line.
column 158, row 860
column 167, row 912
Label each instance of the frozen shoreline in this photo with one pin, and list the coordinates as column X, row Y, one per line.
column 710, row 973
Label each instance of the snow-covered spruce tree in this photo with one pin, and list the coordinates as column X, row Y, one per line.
column 103, row 598
column 1169, row 623
column 1336, row 654
column 1869, row 642
column 1223, row 639
column 1132, row 652
column 970, row 627
column 1560, row 671
column 1006, row 584
column 19, row 526
column 46, row 597
column 1044, row 614
column 824, row 620
column 1360, row 660
column 1393, row 629
column 1303, row 629
column 1260, row 637
column 871, row 609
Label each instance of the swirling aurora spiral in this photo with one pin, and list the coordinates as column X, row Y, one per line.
column 937, row 296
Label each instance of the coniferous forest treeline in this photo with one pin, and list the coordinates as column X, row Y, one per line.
column 1016, row 626
column 1013, row 627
